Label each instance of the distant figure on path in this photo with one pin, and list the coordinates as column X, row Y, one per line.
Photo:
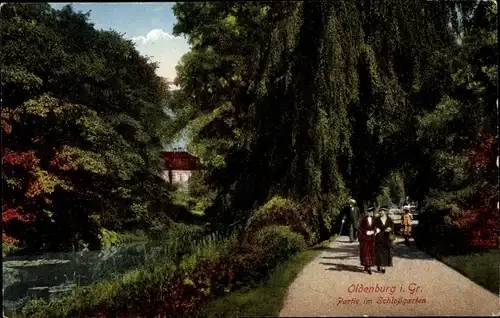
column 407, row 219
column 367, row 241
column 383, row 254
column 353, row 218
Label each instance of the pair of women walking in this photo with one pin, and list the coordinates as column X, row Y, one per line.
column 375, row 240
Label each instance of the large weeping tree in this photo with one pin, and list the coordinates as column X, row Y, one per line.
column 404, row 60
column 307, row 100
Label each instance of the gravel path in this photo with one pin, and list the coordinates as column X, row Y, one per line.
column 325, row 287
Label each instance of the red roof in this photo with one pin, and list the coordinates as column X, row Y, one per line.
column 181, row 161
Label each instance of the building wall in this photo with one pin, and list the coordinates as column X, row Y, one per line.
column 178, row 176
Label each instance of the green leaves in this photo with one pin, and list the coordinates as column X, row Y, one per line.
column 83, row 159
column 90, row 108
column 449, row 131
column 95, row 129
column 18, row 76
column 325, row 100
column 434, row 124
column 44, row 104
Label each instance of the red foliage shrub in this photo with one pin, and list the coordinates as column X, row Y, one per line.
column 483, row 226
column 211, row 279
column 7, row 128
column 34, row 188
column 10, row 214
column 483, row 217
column 482, row 155
column 27, row 159
column 8, row 239
column 59, row 162
column 486, row 229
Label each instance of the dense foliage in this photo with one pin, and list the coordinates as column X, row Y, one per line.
column 292, row 107
column 378, row 100
column 456, row 179
column 82, row 128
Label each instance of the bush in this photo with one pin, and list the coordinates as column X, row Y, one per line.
column 441, row 225
column 108, row 238
column 249, row 264
column 445, row 222
column 184, row 237
column 174, row 231
column 281, row 211
column 132, row 237
column 9, row 247
column 384, row 198
column 279, row 241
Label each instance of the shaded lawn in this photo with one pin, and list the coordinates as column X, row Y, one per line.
column 480, row 266
column 266, row 298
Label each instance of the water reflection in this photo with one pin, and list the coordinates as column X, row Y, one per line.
column 52, row 275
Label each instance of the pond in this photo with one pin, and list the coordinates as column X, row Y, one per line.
column 52, row 275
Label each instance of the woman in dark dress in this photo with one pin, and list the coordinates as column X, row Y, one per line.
column 383, row 244
column 367, row 241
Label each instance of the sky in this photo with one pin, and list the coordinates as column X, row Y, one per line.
column 149, row 25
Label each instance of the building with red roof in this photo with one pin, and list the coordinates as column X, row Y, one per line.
column 179, row 166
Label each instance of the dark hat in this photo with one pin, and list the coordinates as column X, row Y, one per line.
column 370, row 209
column 383, row 208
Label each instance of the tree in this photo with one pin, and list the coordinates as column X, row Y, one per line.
column 456, row 136
column 307, row 100
column 82, row 123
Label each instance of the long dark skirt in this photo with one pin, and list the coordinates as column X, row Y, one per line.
column 367, row 253
column 383, row 254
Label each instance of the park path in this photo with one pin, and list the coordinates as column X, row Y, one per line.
column 318, row 288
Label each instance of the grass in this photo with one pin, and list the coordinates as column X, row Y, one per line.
column 191, row 204
column 266, row 298
column 132, row 237
column 482, row 267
